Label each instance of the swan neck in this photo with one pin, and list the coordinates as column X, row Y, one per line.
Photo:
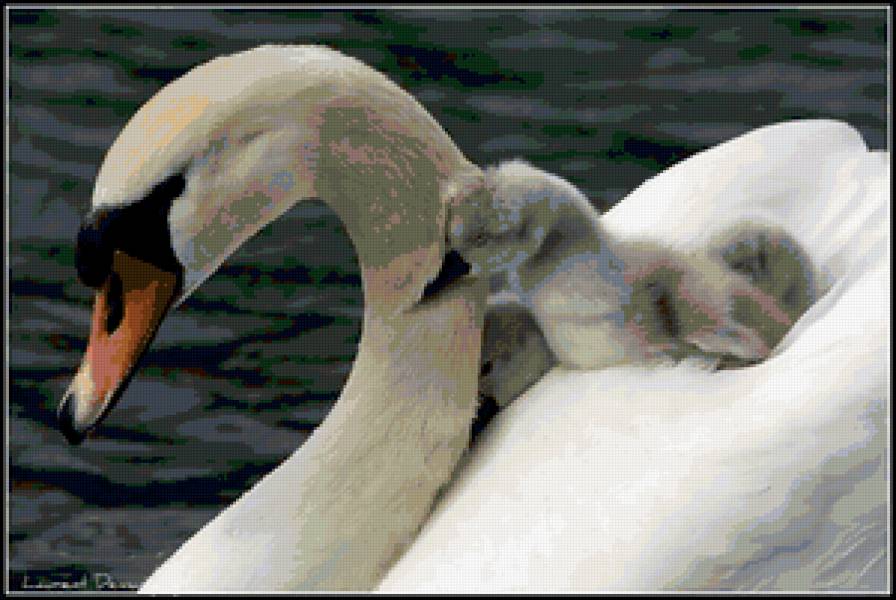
column 346, row 504
column 392, row 440
column 395, row 435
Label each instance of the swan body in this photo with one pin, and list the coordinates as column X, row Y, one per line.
column 634, row 478
column 234, row 143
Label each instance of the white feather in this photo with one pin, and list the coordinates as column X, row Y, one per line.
column 768, row 477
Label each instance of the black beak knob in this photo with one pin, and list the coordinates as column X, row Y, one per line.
column 66, row 418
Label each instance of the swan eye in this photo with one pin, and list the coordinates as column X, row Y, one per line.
column 139, row 229
column 143, row 230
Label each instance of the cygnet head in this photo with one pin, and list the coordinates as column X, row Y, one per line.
column 526, row 204
column 734, row 300
column 781, row 276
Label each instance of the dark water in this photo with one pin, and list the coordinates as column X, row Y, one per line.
column 240, row 374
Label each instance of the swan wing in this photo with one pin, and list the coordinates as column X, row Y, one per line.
column 770, row 477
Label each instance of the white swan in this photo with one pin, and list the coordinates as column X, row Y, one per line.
column 769, row 477
column 201, row 167
column 309, row 122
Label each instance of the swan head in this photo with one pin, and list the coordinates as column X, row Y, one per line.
column 227, row 148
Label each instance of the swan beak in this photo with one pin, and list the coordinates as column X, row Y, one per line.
column 126, row 315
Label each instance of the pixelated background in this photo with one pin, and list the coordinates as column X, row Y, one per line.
column 250, row 364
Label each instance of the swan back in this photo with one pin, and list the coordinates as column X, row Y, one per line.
column 815, row 179
column 631, row 478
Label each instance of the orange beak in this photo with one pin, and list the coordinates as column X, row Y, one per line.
column 126, row 315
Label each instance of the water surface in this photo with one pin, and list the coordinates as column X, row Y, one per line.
column 250, row 364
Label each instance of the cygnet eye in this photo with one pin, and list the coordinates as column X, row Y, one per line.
column 479, row 239
column 665, row 311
